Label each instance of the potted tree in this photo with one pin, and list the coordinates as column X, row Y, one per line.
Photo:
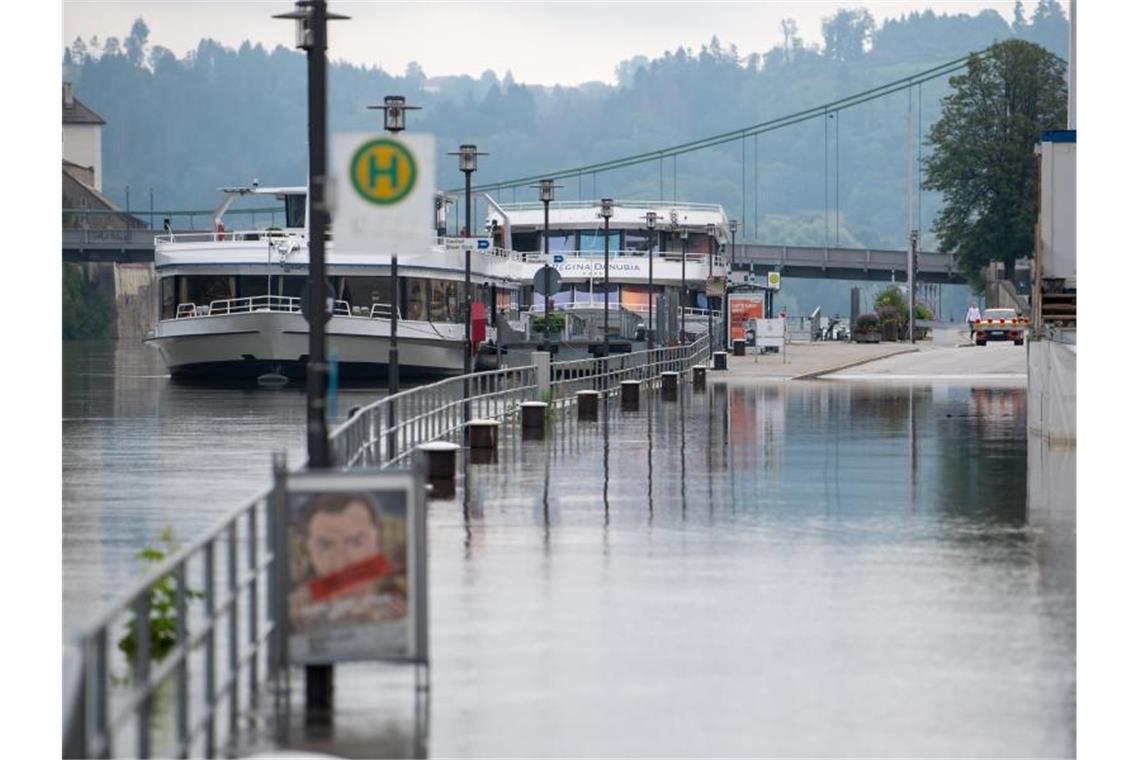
column 867, row 329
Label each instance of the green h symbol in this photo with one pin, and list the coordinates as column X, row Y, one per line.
column 375, row 172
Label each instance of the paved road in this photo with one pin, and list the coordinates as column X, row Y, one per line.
column 803, row 360
column 997, row 360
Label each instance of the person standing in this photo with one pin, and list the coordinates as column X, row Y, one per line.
column 972, row 316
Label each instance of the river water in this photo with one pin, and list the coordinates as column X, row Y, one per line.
column 823, row 568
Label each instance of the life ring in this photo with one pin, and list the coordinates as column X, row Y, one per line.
column 219, row 231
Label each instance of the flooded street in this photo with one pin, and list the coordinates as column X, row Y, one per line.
column 809, row 568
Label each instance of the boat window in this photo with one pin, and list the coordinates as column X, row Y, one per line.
column 527, row 241
column 445, row 301
column 417, row 290
column 249, row 286
column 294, row 210
column 366, row 291
column 202, row 289
column 289, row 285
column 561, row 240
column 596, row 242
column 169, row 301
column 635, row 297
column 636, row 240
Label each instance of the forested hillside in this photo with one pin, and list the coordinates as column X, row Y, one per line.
column 219, row 116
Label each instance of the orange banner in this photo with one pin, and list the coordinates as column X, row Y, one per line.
column 741, row 309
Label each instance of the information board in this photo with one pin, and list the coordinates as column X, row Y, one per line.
column 355, row 580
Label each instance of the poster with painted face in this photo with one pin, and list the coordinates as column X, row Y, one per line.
column 350, row 595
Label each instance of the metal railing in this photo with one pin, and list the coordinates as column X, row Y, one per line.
column 606, row 375
column 172, row 653
column 386, row 431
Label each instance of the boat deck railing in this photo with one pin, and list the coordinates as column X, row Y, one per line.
column 692, row 258
column 287, row 304
column 555, row 205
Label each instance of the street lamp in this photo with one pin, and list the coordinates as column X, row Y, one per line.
column 684, row 282
column 732, row 225
column 651, row 225
column 468, row 163
column 311, row 18
column 394, row 108
column 710, row 230
column 607, row 212
column 546, row 195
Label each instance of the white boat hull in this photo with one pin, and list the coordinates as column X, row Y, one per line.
column 248, row 345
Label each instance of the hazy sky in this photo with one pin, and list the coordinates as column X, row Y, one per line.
column 540, row 42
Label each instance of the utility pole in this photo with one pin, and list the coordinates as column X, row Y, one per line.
column 311, row 18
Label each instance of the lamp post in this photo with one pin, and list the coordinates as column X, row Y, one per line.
column 710, row 230
column 546, row 195
column 395, row 108
column 468, row 163
column 684, row 282
column 912, row 266
column 607, row 212
column 732, row 225
column 311, row 17
column 651, row 225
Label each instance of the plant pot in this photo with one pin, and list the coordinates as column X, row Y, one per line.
column 867, row 337
column 890, row 331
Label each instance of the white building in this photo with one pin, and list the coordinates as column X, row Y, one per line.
column 82, row 135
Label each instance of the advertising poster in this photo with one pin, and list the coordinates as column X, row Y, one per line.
column 743, row 307
column 353, row 545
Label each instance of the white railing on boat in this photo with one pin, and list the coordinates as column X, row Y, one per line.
column 679, row 205
column 292, row 304
column 695, row 258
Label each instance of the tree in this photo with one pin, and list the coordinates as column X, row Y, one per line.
column 846, row 33
column 135, row 43
column 983, row 159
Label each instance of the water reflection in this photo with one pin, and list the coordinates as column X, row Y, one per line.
column 863, row 577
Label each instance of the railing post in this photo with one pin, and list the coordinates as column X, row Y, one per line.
column 211, row 646
column 182, row 723
column 253, row 605
column 232, row 649
column 142, row 669
column 541, row 361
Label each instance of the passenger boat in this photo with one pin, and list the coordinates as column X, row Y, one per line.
column 688, row 260
column 230, row 301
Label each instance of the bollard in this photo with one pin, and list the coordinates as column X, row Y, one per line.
column 483, row 434
column 669, row 386
column 738, row 347
column 720, row 360
column 483, row 456
column 533, row 420
column 630, row 389
column 440, row 461
column 699, row 377
column 588, row 405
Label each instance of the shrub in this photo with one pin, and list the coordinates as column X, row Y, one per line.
column 556, row 320
column 867, row 322
column 163, row 605
column 888, row 314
